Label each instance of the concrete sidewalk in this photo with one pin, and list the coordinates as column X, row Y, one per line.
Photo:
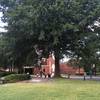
column 96, row 78
column 46, row 80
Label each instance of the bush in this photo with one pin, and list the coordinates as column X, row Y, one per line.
column 2, row 74
column 16, row 77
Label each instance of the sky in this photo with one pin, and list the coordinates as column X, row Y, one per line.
column 2, row 24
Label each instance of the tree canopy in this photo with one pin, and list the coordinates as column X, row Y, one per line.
column 54, row 25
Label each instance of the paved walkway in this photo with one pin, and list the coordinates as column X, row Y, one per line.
column 38, row 80
column 75, row 77
column 96, row 78
column 45, row 80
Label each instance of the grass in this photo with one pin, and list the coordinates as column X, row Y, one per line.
column 58, row 89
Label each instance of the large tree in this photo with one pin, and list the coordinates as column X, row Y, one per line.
column 54, row 25
column 6, row 50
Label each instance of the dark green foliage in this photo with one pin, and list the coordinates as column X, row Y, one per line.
column 6, row 50
column 2, row 74
column 87, row 54
column 16, row 77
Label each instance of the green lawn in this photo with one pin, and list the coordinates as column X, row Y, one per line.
column 58, row 89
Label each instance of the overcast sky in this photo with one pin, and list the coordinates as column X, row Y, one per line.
column 2, row 24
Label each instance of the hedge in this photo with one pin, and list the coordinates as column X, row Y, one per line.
column 16, row 77
column 2, row 74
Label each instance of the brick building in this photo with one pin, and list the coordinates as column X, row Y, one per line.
column 48, row 68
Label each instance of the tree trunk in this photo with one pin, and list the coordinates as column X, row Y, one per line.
column 20, row 70
column 57, row 64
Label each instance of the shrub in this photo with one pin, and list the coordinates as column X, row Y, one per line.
column 16, row 77
column 2, row 74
